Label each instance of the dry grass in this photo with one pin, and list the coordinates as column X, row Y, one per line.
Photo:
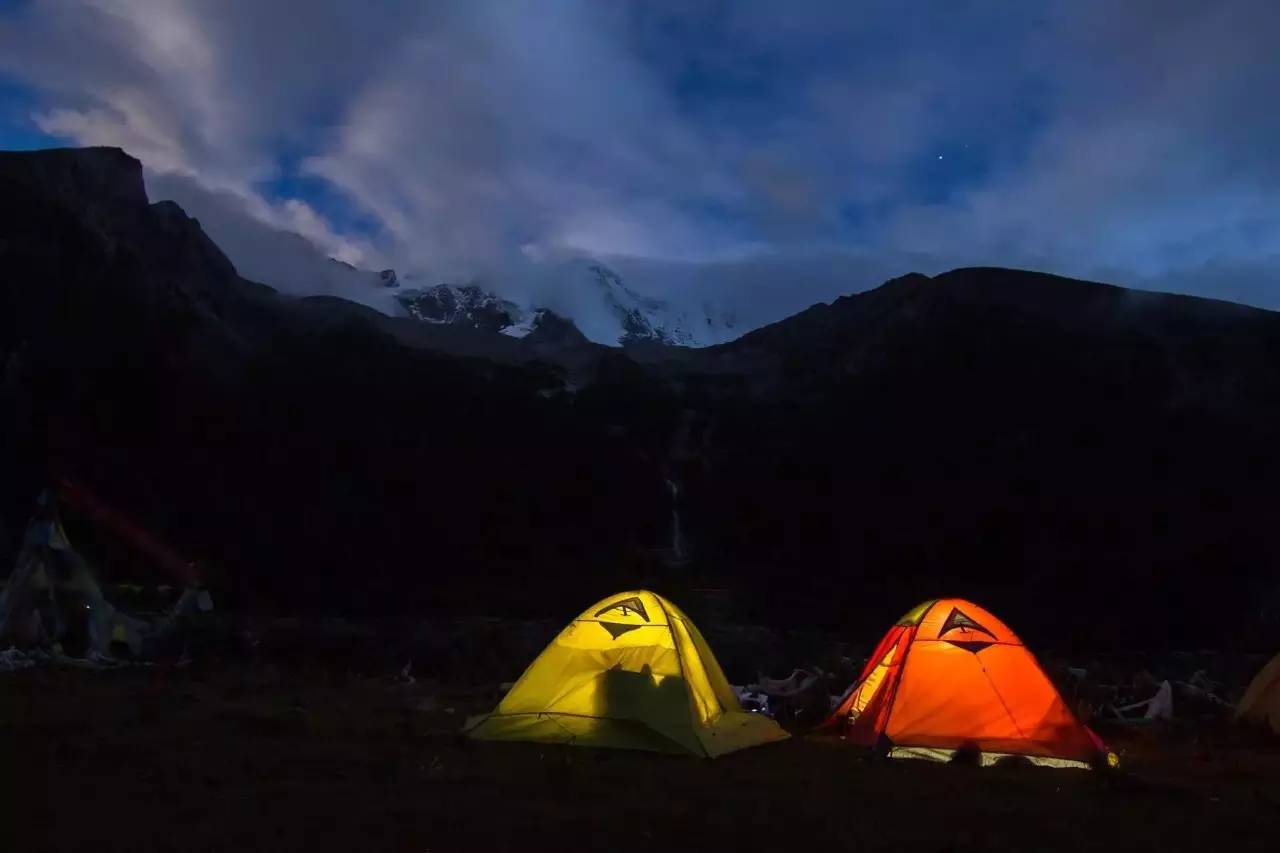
column 256, row 758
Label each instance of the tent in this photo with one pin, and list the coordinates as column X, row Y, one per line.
column 52, row 595
column 950, row 677
column 631, row 672
column 1261, row 700
column 52, row 598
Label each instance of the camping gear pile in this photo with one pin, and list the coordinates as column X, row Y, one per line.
column 1177, row 693
column 802, row 697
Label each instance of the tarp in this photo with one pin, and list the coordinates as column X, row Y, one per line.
column 631, row 672
column 951, row 676
column 1158, row 707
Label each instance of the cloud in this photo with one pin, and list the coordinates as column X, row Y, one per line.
column 283, row 256
column 513, row 123
column 176, row 84
column 780, row 283
column 1143, row 166
column 769, row 143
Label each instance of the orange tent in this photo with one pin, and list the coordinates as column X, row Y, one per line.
column 950, row 676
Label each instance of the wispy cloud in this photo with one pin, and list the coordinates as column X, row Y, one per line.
column 1134, row 141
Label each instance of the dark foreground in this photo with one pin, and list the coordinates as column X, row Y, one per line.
column 254, row 758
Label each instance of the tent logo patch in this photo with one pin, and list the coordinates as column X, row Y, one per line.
column 626, row 606
column 956, row 620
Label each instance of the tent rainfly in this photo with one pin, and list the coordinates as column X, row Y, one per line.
column 631, row 672
column 950, row 677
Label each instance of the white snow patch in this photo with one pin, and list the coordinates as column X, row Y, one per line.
column 526, row 325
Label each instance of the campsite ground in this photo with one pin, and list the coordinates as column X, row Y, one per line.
column 253, row 757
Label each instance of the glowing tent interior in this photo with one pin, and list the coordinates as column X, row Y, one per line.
column 950, row 676
column 1261, row 700
column 631, row 672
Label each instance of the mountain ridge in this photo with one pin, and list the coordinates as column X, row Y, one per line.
column 574, row 287
column 620, row 316
column 997, row 432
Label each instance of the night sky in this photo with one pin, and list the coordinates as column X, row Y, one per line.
column 775, row 144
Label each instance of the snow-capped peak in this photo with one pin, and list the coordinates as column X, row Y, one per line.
column 466, row 305
column 643, row 318
column 512, row 299
column 583, row 291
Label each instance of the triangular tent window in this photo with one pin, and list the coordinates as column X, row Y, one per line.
column 625, row 607
column 957, row 620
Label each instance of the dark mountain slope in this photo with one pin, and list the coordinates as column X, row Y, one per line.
column 1075, row 450
column 1096, row 464
column 308, row 455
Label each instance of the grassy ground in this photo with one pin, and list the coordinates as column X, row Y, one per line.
column 251, row 758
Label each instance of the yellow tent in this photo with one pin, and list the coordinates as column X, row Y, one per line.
column 1262, row 700
column 632, row 672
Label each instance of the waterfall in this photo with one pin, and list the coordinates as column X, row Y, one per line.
column 677, row 535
